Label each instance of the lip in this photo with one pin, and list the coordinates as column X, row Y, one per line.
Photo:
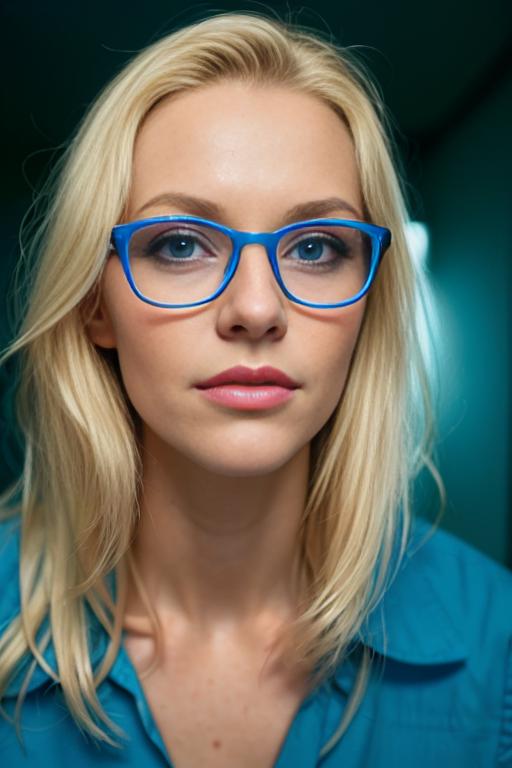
column 248, row 398
column 248, row 377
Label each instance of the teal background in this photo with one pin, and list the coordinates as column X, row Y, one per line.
column 466, row 190
column 445, row 72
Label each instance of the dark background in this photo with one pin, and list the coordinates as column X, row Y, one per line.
column 445, row 71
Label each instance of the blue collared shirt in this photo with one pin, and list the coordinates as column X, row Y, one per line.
column 443, row 697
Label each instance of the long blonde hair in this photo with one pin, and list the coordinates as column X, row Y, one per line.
column 81, row 482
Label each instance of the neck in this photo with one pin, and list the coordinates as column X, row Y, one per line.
column 218, row 550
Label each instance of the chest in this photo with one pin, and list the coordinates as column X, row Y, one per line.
column 216, row 707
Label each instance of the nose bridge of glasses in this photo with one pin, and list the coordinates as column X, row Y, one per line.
column 266, row 240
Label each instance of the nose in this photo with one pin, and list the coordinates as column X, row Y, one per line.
column 254, row 270
column 254, row 304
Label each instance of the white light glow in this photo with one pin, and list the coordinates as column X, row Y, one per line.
column 418, row 240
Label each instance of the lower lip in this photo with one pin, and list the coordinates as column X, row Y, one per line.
column 248, row 398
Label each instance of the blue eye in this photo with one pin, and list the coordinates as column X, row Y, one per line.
column 179, row 246
column 313, row 247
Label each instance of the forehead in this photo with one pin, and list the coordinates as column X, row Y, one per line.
column 256, row 146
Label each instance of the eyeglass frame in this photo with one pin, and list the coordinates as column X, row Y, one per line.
column 121, row 234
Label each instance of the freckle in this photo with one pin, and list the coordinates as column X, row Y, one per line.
column 216, row 743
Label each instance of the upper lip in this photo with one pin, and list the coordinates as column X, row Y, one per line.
column 240, row 374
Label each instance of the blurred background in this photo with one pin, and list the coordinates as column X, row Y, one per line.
column 445, row 72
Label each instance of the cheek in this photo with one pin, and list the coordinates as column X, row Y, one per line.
column 333, row 344
column 151, row 366
column 332, row 350
column 150, row 354
column 154, row 372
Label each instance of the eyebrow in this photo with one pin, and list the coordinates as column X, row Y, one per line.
column 207, row 209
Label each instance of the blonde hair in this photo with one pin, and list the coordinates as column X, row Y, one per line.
column 81, row 481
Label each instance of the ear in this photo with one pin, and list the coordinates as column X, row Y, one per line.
column 97, row 321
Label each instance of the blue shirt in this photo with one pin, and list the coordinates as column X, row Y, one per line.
column 443, row 697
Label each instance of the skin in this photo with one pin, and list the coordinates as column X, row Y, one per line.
column 223, row 489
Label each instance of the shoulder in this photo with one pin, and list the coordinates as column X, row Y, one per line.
column 446, row 601
column 430, row 541
column 445, row 555
column 443, row 632
column 469, row 585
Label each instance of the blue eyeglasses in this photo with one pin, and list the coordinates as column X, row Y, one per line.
column 185, row 261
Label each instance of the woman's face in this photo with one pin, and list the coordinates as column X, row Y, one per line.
column 255, row 152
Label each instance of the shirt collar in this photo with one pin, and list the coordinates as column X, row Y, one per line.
column 417, row 620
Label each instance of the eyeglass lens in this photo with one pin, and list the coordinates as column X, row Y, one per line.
column 182, row 263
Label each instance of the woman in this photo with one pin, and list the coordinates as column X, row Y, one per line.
column 225, row 403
